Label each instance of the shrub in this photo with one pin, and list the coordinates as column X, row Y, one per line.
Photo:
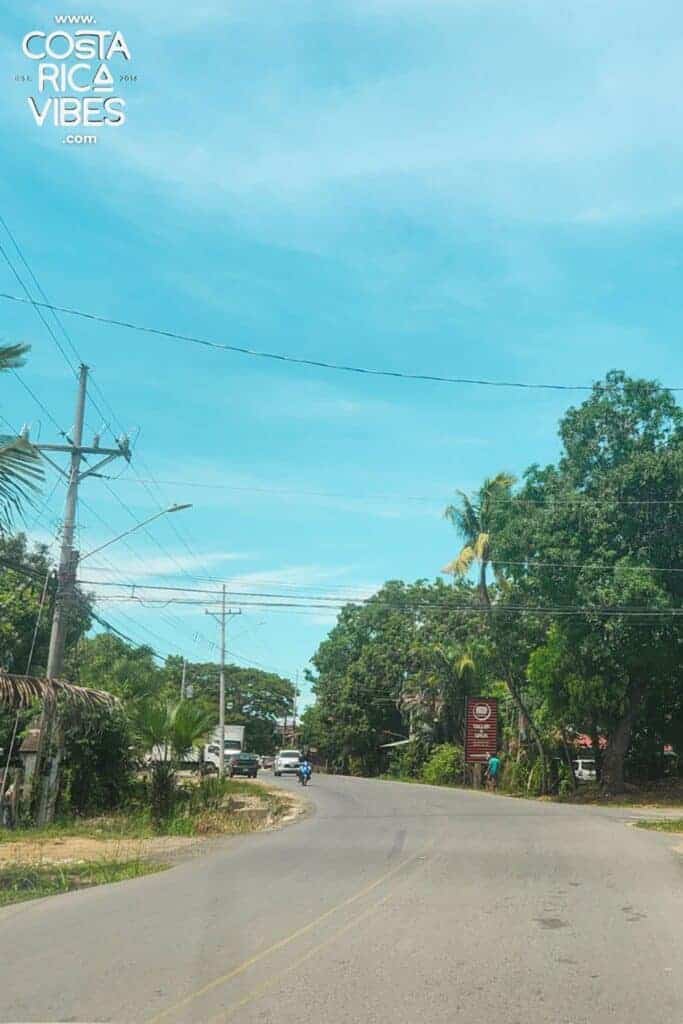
column 406, row 762
column 515, row 776
column 444, row 765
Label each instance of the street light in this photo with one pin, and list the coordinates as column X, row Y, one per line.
column 138, row 526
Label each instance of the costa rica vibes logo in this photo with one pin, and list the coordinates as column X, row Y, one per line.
column 76, row 76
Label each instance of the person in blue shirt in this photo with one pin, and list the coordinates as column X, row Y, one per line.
column 305, row 770
column 493, row 770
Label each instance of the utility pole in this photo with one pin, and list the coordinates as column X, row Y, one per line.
column 182, row 680
column 221, row 695
column 222, row 620
column 66, row 573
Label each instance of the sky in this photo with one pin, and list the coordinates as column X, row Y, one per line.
column 465, row 188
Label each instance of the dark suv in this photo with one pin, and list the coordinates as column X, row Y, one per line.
column 243, row 764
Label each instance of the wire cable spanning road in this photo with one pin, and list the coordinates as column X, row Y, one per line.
column 388, row 903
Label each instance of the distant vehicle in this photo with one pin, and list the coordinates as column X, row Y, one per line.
column 584, row 770
column 286, row 762
column 267, row 761
column 243, row 764
column 205, row 758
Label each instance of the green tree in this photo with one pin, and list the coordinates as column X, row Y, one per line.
column 254, row 698
column 592, row 540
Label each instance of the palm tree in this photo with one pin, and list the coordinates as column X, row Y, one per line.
column 175, row 729
column 474, row 520
column 20, row 471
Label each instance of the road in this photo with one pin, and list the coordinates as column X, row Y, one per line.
column 388, row 903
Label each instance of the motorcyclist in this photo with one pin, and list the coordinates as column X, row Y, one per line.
column 305, row 769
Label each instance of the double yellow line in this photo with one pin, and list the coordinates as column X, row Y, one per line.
column 235, row 972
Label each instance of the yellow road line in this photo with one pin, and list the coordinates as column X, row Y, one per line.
column 255, row 993
column 281, row 943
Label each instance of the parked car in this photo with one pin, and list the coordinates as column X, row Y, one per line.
column 243, row 764
column 584, row 769
column 287, row 762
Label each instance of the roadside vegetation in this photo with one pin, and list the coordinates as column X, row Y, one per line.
column 671, row 825
column 565, row 604
column 26, row 881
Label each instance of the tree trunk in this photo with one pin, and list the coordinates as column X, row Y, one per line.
column 517, row 697
column 567, row 754
column 612, row 779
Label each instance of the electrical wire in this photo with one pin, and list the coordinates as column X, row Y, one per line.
column 301, row 361
column 433, row 500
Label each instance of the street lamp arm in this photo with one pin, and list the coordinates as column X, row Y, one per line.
column 138, row 526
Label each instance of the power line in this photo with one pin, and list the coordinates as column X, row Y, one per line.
column 301, row 361
column 37, row 307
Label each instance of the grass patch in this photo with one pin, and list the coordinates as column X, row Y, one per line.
column 19, row 882
column 210, row 807
column 670, row 825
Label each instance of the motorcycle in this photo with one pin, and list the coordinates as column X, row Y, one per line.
column 304, row 776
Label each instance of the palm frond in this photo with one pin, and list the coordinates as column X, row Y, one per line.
column 21, row 691
column 481, row 547
column 464, row 517
column 465, row 663
column 12, row 356
column 20, row 476
column 461, row 563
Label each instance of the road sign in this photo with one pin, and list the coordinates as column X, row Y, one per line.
column 481, row 733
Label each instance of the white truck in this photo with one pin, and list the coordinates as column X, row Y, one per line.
column 208, row 755
column 234, row 744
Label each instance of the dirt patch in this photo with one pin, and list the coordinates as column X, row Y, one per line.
column 73, row 849
column 248, row 814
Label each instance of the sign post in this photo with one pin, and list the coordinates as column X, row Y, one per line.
column 481, row 732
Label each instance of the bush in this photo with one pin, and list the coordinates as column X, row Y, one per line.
column 98, row 769
column 515, row 776
column 406, row 762
column 162, row 791
column 444, row 766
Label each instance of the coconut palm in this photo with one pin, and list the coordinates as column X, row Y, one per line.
column 20, row 471
column 474, row 520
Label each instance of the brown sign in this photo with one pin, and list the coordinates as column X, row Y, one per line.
column 481, row 731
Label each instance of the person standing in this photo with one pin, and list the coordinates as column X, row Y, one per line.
column 493, row 771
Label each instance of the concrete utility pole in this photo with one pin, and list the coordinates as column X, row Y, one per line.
column 68, row 558
column 66, row 574
column 182, row 680
column 222, row 620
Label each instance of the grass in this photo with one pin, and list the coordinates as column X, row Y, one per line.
column 670, row 825
column 20, row 882
column 208, row 808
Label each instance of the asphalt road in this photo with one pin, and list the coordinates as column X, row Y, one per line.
column 389, row 903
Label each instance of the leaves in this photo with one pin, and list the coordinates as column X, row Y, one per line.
column 21, row 691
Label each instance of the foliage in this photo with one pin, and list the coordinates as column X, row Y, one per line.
column 254, row 698
column 583, row 535
column 20, row 882
column 20, row 468
column 444, row 766
column 402, row 662
column 99, row 767
column 23, row 572
column 406, row 762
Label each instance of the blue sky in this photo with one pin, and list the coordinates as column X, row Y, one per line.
column 471, row 188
